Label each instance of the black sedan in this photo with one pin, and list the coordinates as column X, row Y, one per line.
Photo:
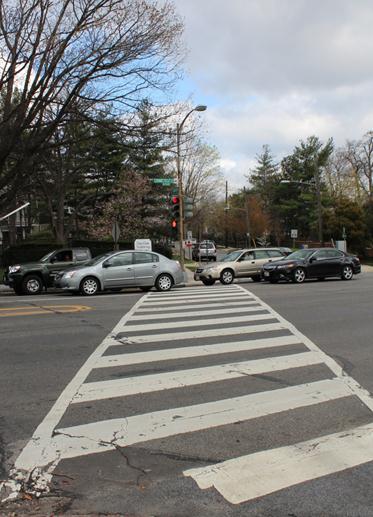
column 312, row 263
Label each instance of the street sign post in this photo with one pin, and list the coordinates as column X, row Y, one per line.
column 115, row 232
column 294, row 235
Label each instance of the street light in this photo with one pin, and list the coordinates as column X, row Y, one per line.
column 179, row 127
column 316, row 185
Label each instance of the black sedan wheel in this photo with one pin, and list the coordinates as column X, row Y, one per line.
column 256, row 278
column 32, row 284
column 226, row 276
column 208, row 281
column 347, row 273
column 299, row 275
column 89, row 286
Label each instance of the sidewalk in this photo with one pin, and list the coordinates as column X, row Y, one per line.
column 189, row 278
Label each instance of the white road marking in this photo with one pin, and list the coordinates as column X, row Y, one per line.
column 178, row 379
column 205, row 305
column 198, row 323
column 194, row 334
column 214, row 312
column 180, row 300
column 45, row 449
column 193, row 351
column 264, row 472
column 94, row 437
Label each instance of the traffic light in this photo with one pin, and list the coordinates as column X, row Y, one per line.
column 174, row 229
column 188, row 207
column 175, row 202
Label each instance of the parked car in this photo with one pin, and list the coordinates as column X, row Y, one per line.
column 116, row 270
column 313, row 263
column 33, row 277
column 205, row 250
column 246, row 263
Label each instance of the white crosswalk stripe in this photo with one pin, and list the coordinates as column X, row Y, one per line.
column 237, row 323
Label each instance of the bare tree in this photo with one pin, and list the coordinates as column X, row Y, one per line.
column 75, row 55
column 360, row 157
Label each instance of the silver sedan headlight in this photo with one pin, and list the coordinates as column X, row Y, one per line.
column 69, row 274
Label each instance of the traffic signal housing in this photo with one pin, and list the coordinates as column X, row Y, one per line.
column 175, row 205
column 188, row 207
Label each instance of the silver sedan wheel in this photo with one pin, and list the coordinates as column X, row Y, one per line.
column 164, row 283
column 89, row 286
column 347, row 273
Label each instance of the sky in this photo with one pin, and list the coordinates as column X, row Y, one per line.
column 277, row 71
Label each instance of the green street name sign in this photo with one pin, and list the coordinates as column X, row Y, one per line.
column 166, row 182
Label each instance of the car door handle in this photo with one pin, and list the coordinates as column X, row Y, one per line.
column 155, row 266
column 270, row 260
column 253, row 261
column 129, row 269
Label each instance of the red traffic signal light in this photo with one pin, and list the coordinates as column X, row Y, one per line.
column 175, row 200
column 174, row 224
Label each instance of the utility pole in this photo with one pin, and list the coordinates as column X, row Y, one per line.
column 319, row 204
column 247, row 218
column 226, row 214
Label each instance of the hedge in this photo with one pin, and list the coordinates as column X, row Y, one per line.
column 34, row 251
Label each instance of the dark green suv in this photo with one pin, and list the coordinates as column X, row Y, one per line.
column 33, row 277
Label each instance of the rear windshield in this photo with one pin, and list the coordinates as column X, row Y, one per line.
column 207, row 246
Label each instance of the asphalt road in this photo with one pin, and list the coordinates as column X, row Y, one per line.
column 142, row 461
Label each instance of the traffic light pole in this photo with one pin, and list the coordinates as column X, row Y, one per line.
column 181, row 197
column 179, row 127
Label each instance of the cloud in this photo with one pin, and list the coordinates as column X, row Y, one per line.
column 279, row 71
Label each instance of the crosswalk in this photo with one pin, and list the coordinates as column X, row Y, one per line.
column 205, row 337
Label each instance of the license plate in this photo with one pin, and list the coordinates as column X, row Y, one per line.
column 266, row 273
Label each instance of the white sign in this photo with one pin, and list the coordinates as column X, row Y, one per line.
column 189, row 235
column 188, row 244
column 115, row 232
column 294, row 234
column 143, row 245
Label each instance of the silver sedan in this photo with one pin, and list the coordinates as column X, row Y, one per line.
column 117, row 270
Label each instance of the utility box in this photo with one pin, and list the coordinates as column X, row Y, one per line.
column 341, row 245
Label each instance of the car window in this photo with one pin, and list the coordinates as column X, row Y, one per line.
column 145, row 258
column 63, row 256
column 321, row 254
column 275, row 253
column 122, row 259
column 248, row 255
column 231, row 256
column 261, row 254
column 333, row 254
column 81, row 255
column 300, row 254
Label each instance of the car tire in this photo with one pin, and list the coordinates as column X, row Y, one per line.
column 89, row 286
column 163, row 282
column 208, row 281
column 256, row 278
column 347, row 273
column 299, row 275
column 321, row 278
column 226, row 276
column 146, row 288
column 32, row 284
column 273, row 281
